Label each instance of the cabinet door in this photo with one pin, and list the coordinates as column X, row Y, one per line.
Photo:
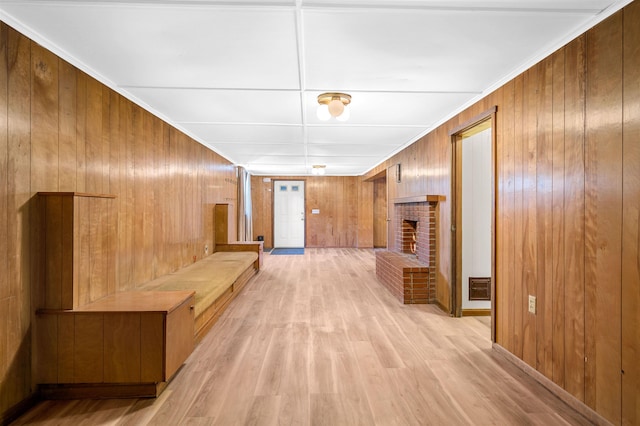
column 152, row 347
column 179, row 344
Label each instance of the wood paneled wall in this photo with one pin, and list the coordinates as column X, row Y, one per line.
column 61, row 130
column 380, row 212
column 345, row 204
column 567, row 213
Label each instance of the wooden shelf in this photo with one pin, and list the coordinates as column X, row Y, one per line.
column 420, row 199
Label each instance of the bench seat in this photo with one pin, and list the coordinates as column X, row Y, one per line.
column 215, row 279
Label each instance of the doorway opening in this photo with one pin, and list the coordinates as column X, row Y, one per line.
column 473, row 218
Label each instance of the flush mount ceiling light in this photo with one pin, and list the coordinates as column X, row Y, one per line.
column 318, row 169
column 334, row 104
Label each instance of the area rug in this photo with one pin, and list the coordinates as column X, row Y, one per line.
column 287, row 251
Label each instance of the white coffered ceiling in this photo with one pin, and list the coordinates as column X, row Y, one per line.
column 242, row 77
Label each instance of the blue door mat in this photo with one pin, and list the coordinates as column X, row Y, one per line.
column 287, row 251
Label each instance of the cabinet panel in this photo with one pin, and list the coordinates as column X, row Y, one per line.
column 122, row 347
column 88, row 354
column 151, row 350
column 179, row 344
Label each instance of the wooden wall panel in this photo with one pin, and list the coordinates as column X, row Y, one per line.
column 505, row 257
column 345, row 216
column 631, row 218
column 567, row 170
column 574, row 261
column 544, row 221
column 67, row 135
column 380, row 213
column 44, row 119
column 555, row 335
column 61, row 130
column 365, row 219
column 603, row 221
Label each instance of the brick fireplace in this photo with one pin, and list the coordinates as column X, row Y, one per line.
column 409, row 272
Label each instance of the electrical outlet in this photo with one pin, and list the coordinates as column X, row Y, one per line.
column 532, row 304
column 206, row 249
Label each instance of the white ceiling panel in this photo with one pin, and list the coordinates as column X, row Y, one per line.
column 259, row 150
column 364, row 135
column 247, row 134
column 223, row 106
column 243, row 76
column 392, row 108
column 171, row 45
column 585, row 5
column 333, row 150
column 408, row 50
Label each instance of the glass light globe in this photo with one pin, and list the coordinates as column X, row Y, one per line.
column 336, row 107
column 345, row 114
column 323, row 112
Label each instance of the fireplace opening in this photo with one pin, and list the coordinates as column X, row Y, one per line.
column 410, row 236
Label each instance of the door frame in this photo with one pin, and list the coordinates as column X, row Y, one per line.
column 456, row 135
column 273, row 207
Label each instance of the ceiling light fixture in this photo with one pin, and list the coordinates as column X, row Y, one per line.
column 318, row 169
column 334, row 104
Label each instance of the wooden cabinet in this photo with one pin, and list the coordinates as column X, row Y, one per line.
column 77, row 246
column 224, row 229
column 126, row 344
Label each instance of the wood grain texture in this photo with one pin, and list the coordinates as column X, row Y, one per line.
column 603, row 220
column 122, row 363
column 341, row 352
column 556, row 366
column 631, row 218
column 88, row 348
column 346, row 209
column 380, row 214
column 62, row 130
column 544, row 221
column 44, row 119
column 574, row 242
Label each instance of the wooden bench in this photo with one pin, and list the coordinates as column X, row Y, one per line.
column 93, row 341
column 217, row 279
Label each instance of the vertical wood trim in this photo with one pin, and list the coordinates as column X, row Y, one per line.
column 518, row 283
column 557, row 264
column 604, row 217
column 574, row 239
column 508, row 211
column 4, row 183
column 544, row 218
column 529, row 244
column 44, row 120
column 631, row 217
column 67, row 116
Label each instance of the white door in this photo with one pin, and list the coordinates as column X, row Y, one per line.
column 288, row 217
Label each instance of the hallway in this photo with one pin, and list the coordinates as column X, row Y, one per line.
column 315, row 339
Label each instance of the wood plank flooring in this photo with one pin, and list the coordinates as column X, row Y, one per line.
column 314, row 339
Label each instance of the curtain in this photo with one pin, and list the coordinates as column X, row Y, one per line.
column 245, row 222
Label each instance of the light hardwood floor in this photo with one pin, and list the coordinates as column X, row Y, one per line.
column 315, row 339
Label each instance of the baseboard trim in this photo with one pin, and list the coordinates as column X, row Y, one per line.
column 441, row 306
column 476, row 312
column 18, row 410
column 101, row 390
column 552, row 387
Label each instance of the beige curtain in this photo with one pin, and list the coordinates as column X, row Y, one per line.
column 245, row 223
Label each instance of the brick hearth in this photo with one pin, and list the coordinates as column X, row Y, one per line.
column 410, row 272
